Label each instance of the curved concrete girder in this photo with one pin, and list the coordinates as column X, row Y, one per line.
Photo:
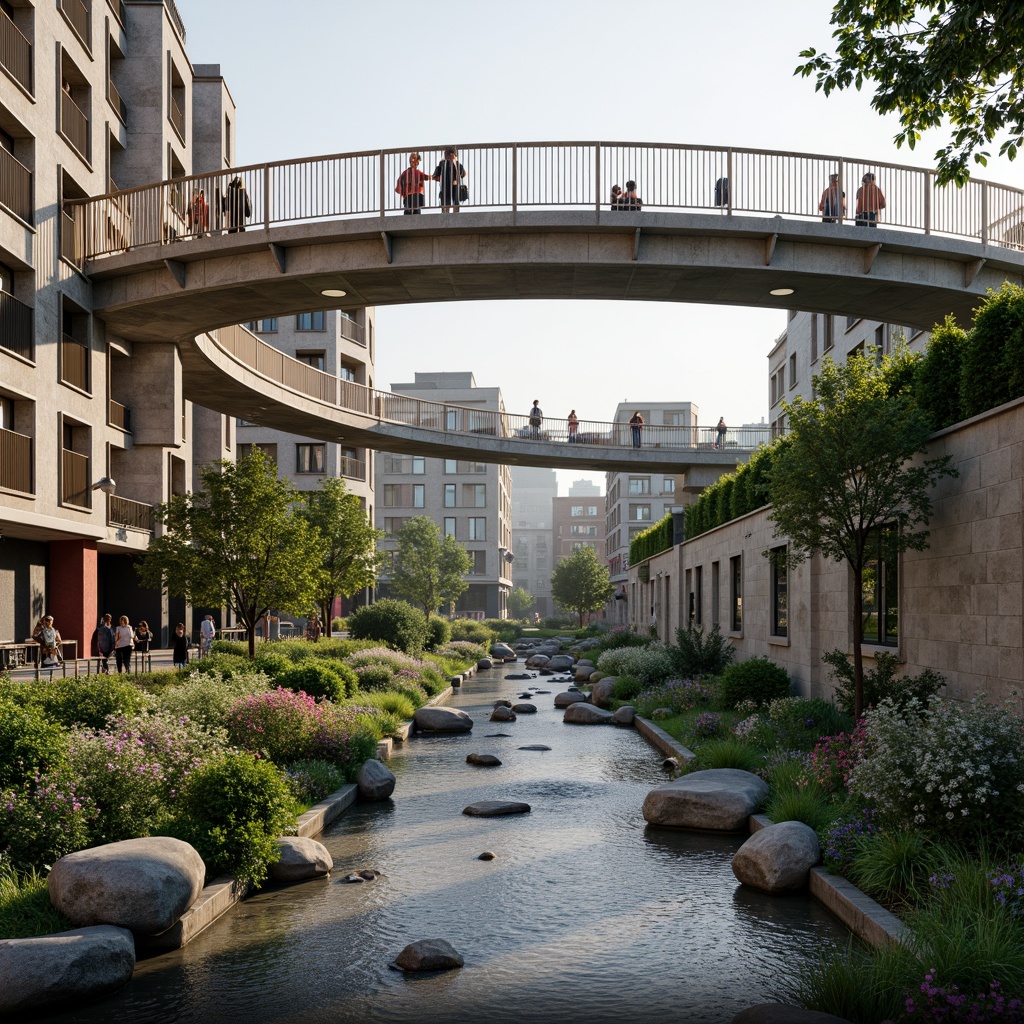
column 911, row 280
column 212, row 378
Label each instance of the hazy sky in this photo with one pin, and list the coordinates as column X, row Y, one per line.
column 326, row 76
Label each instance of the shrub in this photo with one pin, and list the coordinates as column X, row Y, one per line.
column 400, row 704
column 29, row 742
column 345, row 739
column 797, row 722
column 833, row 759
column 937, row 387
column 621, row 636
column 504, row 629
column 25, row 907
column 232, row 810
column 374, row 677
column 707, row 724
column 728, row 752
column 757, row 679
column 338, row 624
column 87, row 700
column 952, row 771
column 432, row 680
column 237, row 648
column 650, row 665
column 808, row 804
column 226, row 666
column 627, row 688
column 310, row 781
column 318, row 679
column 893, row 864
column 271, row 663
column 991, row 370
column 880, row 682
column 841, row 839
column 279, row 723
column 785, row 769
column 207, row 698
column 462, row 651
column 677, row 695
column 697, row 655
column 439, row 632
column 395, row 623
column 473, row 631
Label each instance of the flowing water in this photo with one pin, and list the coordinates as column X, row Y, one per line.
column 587, row 914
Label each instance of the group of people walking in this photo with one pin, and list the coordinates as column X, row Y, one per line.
column 636, row 426
column 121, row 641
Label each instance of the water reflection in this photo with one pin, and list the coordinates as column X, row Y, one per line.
column 586, row 915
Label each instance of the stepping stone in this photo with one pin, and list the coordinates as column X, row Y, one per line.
column 525, row 709
column 428, row 955
column 503, row 703
column 535, row 746
column 487, row 855
column 586, row 714
column 503, row 715
column 442, row 720
column 495, row 808
column 484, row 760
column 495, row 735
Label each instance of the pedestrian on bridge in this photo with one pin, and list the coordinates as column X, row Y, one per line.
column 870, row 202
column 410, row 185
column 636, row 425
column 833, row 201
column 573, row 426
column 449, row 173
column 629, row 200
column 536, row 419
column 720, row 432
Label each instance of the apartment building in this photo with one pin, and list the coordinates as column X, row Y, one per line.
column 97, row 95
column 579, row 520
column 470, row 501
column 533, row 491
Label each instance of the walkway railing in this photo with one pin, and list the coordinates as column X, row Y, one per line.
column 388, row 407
column 547, row 175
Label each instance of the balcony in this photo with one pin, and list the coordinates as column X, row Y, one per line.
column 15, row 186
column 74, row 362
column 176, row 21
column 353, row 469
column 15, row 462
column 74, row 125
column 77, row 14
column 352, row 330
column 134, row 515
column 177, row 116
column 15, row 52
column 120, row 416
column 74, row 483
column 16, row 326
column 116, row 101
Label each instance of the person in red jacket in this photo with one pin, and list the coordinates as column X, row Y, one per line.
column 410, row 185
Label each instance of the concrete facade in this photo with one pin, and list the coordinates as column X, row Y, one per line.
column 533, row 493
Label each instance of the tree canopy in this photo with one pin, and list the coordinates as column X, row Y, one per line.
column 520, row 601
column 581, row 583
column 932, row 62
column 237, row 541
column 348, row 548
column 849, row 483
column 427, row 569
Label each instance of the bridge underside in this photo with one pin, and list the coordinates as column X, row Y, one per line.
column 173, row 291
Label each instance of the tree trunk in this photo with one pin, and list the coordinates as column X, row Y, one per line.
column 858, row 657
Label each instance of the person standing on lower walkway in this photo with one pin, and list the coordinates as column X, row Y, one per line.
column 180, row 645
column 103, row 641
column 574, row 424
column 124, row 644
column 870, row 202
column 410, row 185
column 636, row 426
column 536, row 419
column 720, row 431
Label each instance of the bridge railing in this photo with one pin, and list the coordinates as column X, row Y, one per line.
column 540, row 175
column 445, row 418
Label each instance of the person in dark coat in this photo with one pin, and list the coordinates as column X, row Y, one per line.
column 236, row 205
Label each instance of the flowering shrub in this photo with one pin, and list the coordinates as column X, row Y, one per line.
column 463, row 650
column 834, row 757
column 650, row 664
column 29, row 742
column 207, row 698
column 394, row 660
column 374, row 677
column 44, row 818
column 840, row 841
column 948, row 769
column 311, row 781
column 1008, row 890
column 937, row 1003
column 344, row 737
column 278, row 723
column 747, row 725
column 677, row 695
column 706, row 724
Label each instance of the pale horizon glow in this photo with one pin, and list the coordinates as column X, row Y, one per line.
column 330, row 76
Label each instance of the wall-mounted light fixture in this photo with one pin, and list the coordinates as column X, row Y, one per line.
column 106, row 484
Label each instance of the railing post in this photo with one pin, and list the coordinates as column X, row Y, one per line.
column 381, row 181
column 728, row 176
column 984, row 213
column 160, row 214
column 841, row 171
column 597, row 177
column 927, row 202
column 266, row 197
column 515, row 177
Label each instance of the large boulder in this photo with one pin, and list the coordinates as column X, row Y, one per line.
column 537, row 661
column 428, row 955
column 141, row 884
column 561, row 663
column 718, row 799
column 375, row 780
column 503, row 714
column 485, row 663
column 502, row 651
column 777, row 1013
column 624, row 715
column 483, row 760
column 586, row 714
column 525, row 708
column 778, row 858
column 601, row 691
column 64, row 967
column 300, row 859
column 495, row 808
column 582, row 673
column 442, row 720
column 563, row 700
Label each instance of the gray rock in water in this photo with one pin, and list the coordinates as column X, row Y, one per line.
column 495, row 808
column 428, row 955
column 500, row 650
column 719, row 799
column 535, row 746
column 561, row 663
column 503, row 715
column 586, row 714
column 485, row 663
column 537, row 661
column 624, row 715
column 496, row 735
column 563, row 700
column 518, row 675
column 572, row 689
column 601, row 691
column 300, row 859
column 484, row 760
column 442, row 720
column 541, row 691
column 354, row 879
column 503, row 703
column 778, row 858
column 776, row 1013
column 141, row 884
column 65, row 967
column 525, row 696
column 375, row 780
column 525, row 709
column 487, row 855
column 368, row 874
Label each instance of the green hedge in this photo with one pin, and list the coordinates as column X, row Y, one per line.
column 652, row 541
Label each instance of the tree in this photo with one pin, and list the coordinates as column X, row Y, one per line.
column 848, row 483
column 937, row 60
column 581, row 583
column 238, row 542
column 520, row 602
column 348, row 552
column 428, row 570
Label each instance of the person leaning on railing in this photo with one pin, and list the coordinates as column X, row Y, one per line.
column 450, row 173
column 410, row 185
column 870, row 202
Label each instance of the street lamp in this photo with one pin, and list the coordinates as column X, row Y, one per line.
column 106, row 484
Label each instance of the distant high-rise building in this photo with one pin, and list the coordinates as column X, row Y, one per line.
column 533, row 491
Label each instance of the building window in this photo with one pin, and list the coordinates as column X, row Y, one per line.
column 880, row 596
column 269, row 450
column 449, row 526
column 829, row 323
column 576, row 510
column 698, row 587
column 639, row 485
column 668, row 485
column 814, row 337
column 736, row 593
column 850, row 321
column 309, row 458
column 640, row 512
column 314, row 359
column 310, row 321
column 347, row 373
column 479, row 563
column 419, row 465
column 392, row 495
column 478, row 494
column 418, row 496
column 393, row 525
column 780, row 592
column 449, row 496
column 451, row 466
column 478, row 528
column 778, row 385
column 792, row 370
column 715, row 594
column 267, row 326
column 881, row 340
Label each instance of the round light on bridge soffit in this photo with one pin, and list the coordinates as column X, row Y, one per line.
column 781, row 291
column 333, row 293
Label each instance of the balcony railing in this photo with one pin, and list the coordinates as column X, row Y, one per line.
column 135, row 515
column 120, row 416
column 15, row 52
column 116, row 101
column 75, row 489
column 176, row 21
column 16, row 326
column 352, row 331
column 74, row 125
column 68, row 241
column 578, row 176
column 15, row 462
column 353, row 469
column 177, row 116
column 15, row 186
column 74, row 362
column 77, row 13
